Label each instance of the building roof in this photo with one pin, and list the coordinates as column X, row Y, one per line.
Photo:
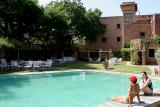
column 126, row 3
column 143, row 21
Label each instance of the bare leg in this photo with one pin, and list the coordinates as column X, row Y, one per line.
column 121, row 99
column 147, row 91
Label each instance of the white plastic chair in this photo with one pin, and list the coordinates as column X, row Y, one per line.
column 47, row 64
column 119, row 59
column 4, row 64
column 28, row 65
column 37, row 64
column 15, row 65
column 90, row 59
column 112, row 61
column 99, row 59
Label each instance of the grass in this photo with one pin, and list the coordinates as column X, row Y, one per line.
column 119, row 67
column 79, row 65
column 122, row 67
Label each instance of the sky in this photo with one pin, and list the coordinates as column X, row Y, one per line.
column 112, row 7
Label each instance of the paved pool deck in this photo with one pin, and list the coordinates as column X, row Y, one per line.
column 147, row 101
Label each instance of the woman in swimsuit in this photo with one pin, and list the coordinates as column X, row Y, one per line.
column 133, row 91
column 146, row 86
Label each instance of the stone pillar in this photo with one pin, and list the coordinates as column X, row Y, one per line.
column 88, row 54
column 144, row 60
column 100, row 52
column 110, row 53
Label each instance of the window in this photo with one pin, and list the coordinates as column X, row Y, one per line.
column 151, row 52
column 142, row 35
column 118, row 26
column 118, row 39
column 103, row 39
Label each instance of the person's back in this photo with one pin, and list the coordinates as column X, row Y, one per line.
column 134, row 90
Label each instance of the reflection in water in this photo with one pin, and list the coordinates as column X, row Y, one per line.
column 82, row 76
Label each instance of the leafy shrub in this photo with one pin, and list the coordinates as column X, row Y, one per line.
column 28, row 54
column 135, row 59
column 5, row 42
column 9, row 43
column 156, row 37
column 125, row 53
column 157, row 55
column 126, row 45
column 116, row 54
column 103, row 56
column 136, row 46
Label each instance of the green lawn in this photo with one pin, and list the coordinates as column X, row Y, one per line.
column 79, row 65
column 119, row 67
column 122, row 67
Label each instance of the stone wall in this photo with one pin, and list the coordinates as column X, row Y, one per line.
column 152, row 45
column 111, row 35
column 132, row 31
column 156, row 24
column 118, row 31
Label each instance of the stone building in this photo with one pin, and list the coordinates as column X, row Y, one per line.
column 122, row 29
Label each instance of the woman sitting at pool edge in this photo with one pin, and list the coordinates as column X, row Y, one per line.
column 146, row 86
column 133, row 91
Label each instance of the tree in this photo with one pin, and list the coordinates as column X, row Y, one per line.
column 74, row 16
column 94, row 27
column 156, row 37
column 18, row 17
column 81, row 23
column 67, row 23
column 52, row 27
column 60, row 22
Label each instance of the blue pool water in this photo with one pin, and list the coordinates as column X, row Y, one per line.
column 69, row 89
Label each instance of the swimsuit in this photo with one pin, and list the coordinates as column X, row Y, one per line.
column 150, row 86
column 134, row 90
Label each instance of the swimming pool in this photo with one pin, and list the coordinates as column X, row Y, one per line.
column 68, row 89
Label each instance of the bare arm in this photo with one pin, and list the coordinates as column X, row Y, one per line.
column 145, row 84
column 138, row 98
column 129, row 92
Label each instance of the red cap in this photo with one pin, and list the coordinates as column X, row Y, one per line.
column 133, row 79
